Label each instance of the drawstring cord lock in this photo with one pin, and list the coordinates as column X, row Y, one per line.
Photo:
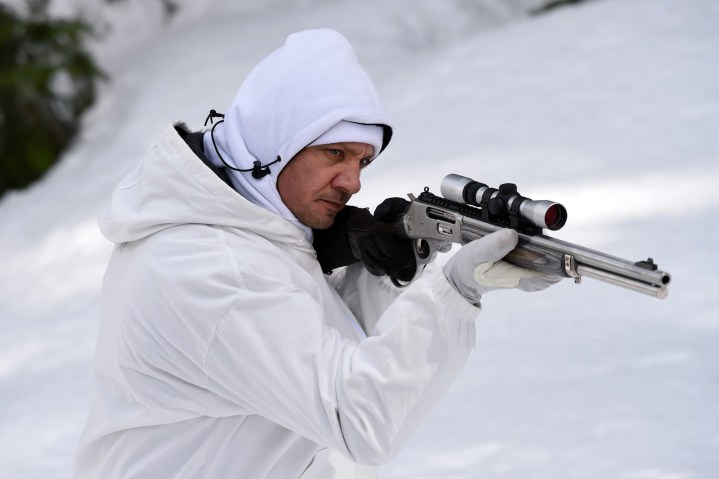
column 258, row 170
column 213, row 114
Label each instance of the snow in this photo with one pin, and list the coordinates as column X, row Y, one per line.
column 609, row 107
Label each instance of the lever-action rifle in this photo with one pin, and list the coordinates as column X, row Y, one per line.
column 469, row 210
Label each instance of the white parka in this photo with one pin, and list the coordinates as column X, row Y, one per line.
column 225, row 352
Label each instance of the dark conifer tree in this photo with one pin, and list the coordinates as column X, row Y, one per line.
column 47, row 80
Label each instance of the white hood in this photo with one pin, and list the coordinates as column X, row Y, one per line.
column 172, row 186
column 287, row 101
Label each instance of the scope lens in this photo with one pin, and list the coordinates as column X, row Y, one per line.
column 553, row 218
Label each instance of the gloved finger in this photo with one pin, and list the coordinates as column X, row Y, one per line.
column 336, row 246
column 407, row 272
column 502, row 274
column 358, row 221
column 374, row 270
column 386, row 245
column 387, row 251
column 391, row 209
column 489, row 248
column 378, row 248
column 394, row 257
column 531, row 285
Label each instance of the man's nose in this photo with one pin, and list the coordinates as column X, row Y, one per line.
column 348, row 178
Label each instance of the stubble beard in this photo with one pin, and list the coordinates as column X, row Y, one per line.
column 318, row 222
column 325, row 219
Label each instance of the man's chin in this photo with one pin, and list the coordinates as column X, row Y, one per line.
column 325, row 224
column 320, row 223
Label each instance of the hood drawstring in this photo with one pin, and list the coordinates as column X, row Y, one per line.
column 258, row 170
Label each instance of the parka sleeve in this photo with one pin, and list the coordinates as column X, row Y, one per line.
column 367, row 296
column 274, row 355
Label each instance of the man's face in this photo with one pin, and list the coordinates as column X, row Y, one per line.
column 319, row 180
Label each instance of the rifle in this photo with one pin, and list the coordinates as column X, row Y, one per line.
column 468, row 210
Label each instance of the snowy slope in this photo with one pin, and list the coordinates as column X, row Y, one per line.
column 611, row 107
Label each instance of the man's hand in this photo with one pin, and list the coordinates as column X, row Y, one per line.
column 336, row 246
column 478, row 268
column 386, row 249
column 377, row 240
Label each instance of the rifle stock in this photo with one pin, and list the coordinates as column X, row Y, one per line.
column 434, row 223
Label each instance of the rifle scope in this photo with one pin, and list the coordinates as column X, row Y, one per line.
column 504, row 201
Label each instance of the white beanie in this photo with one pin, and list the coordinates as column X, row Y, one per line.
column 350, row 132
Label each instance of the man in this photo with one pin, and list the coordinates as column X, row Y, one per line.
column 224, row 350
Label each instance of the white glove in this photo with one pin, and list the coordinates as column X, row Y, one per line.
column 477, row 269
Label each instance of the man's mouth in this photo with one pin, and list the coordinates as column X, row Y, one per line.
column 334, row 205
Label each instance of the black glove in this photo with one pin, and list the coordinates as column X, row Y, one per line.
column 387, row 249
column 378, row 241
column 334, row 246
column 391, row 210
